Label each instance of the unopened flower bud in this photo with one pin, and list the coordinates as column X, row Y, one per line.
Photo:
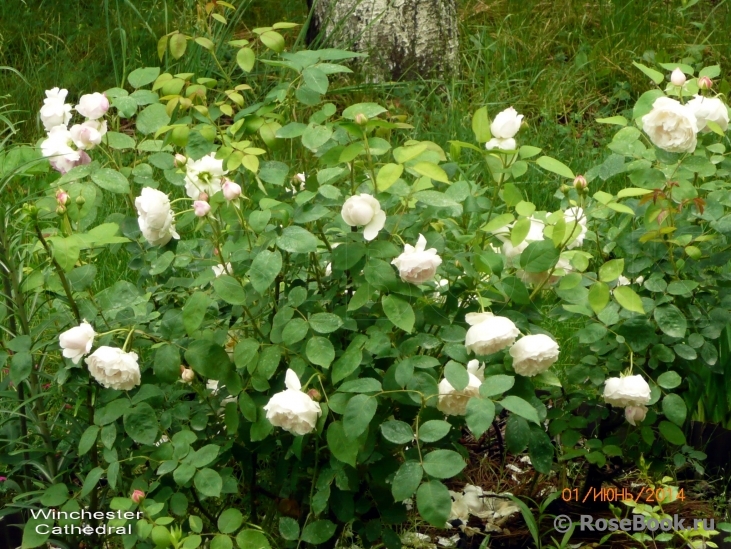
column 60, row 210
column 315, row 395
column 187, row 375
column 231, row 190
column 677, row 77
column 80, row 200
column 580, row 183
column 564, row 188
column 138, row 496
column 203, row 197
column 705, row 83
column 180, row 160
column 201, row 208
column 361, row 119
column 62, row 197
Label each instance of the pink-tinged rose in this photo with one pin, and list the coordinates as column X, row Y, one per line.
column 138, row 496
column 201, row 208
column 231, row 190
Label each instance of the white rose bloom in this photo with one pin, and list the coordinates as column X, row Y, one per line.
column 219, row 270
column 623, row 281
column 454, row 403
column 709, row 109
column 477, row 369
column 363, row 210
column 671, row 126
column 533, row 354
column 93, row 105
column 506, row 124
column 502, row 144
column 156, row 218
column 57, row 148
column 291, row 409
column 535, row 234
column 114, row 369
column 489, row 333
column 635, row 414
column 86, row 135
column 459, row 510
column 576, row 224
column 626, row 391
column 204, row 176
column 77, row 341
column 55, row 112
column 417, row 264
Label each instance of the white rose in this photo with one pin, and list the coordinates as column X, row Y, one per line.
column 533, row 354
column 708, row 109
column 187, row 375
column 77, row 341
column 535, row 234
column 489, row 333
column 57, row 148
column 203, row 176
column 219, row 270
column 626, row 391
column 671, row 126
column 477, row 369
column 454, row 403
column 291, row 409
column 575, row 224
column 156, row 218
column 86, row 135
column 417, row 265
column 502, row 144
column 677, row 77
column 55, row 112
column 623, row 281
column 506, row 124
column 364, row 211
column 635, row 414
column 93, row 105
column 459, row 510
column 114, row 369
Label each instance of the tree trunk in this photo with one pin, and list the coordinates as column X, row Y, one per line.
column 404, row 39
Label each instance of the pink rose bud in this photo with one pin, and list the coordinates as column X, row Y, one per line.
column 62, row 197
column 180, row 160
column 231, row 190
column 201, row 208
column 187, row 375
column 705, row 83
column 315, row 395
column 3, row 479
column 203, row 196
column 361, row 119
column 677, row 77
column 138, row 496
column 580, row 183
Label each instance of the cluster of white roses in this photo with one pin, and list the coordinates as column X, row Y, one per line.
column 673, row 126
column 630, row 393
column 112, row 367
column 488, row 334
column 66, row 148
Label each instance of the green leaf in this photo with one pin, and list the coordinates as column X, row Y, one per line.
column 220, row 541
column 204, row 456
column 671, row 320
column 269, row 361
column 88, row 439
column 539, row 256
column 520, row 407
column 229, row 521
column 406, row 480
column 264, row 270
column 615, row 120
column 672, row 433
column 208, row 482
column 347, row 363
column 340, row 445
column 362, row 385
column 481, row 125
column 229, row 289
column 628, row 299
column 55, row 495
column 555, row 166
column 434, row 503
column 208, row 359
column 245, row 59
column 194, row 311
column 315, row 136
column 540, row 450
column 655, row 76
column 480, row 415
column 598, row 297
column 318, row 532
column 496, row 385
column 399, row 312
column 611, row 270
column 443, row 463
column 111, row 180
column 289, row 528
column 669, row 380
column 682, row 287
column 141, row 77
column 178, row 45
column 517, row 434
column 398, row 432
column 370, row 110
column 119, row 141
column 358, row 414
column 456, row 375
column 294, row 331
column 297, row 240
column 674, row 408
column 433, row 430
column 320, row 351
column 388, row 175
column 437, row 199
column 140, row 423
column 273, row 40
column 31, row 537
column 252, row 539
column 431, row 170
column 152, row 118
column 325, row 323
column 316, row 79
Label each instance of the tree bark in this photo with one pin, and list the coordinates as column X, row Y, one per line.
column 404, row 39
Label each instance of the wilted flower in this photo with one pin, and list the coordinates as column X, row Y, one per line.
column 626, row 391
column 55, row 112
column 671, row 126
column 156, row 218
column 114, row 369
column 291, row 409
column 489, row 333
column 417, row 264
column 77, row 341
column 204, row 176
column 364, row 211
column 231, row 190
column 201, row 208
column 506, row 124
column 533, row 354
column 219, row 270
column 677, row 77
column 635, row 414
column 709, row 109
column 93, row 105
column 459, row 510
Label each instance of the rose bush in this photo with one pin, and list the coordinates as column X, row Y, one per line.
column 277, row 360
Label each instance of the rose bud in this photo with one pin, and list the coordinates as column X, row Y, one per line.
column 361, row 119
column 315, row 395
column 138, row 496
column 201, row 208
column 677, row 77
column 231, row 190
column 62, row 197
column 580, row 183
column 180, row 160
column 705, row 83
column 187, row 375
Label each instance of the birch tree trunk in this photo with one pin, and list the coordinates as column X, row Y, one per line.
column 404, row 39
